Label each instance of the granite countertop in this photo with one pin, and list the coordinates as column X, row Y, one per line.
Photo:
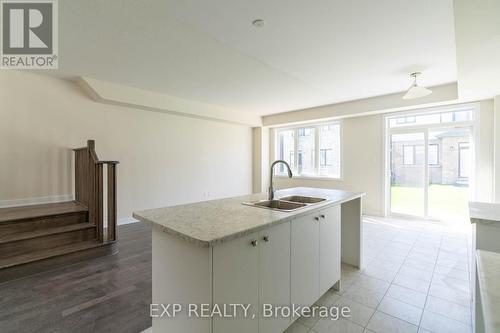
column 210, row 222
column 488, row 275
column 484, row 211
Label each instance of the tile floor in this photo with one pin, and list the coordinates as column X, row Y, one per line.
column 416, row 279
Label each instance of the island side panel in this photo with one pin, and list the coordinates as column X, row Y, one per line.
column 352, row 232
column 487, row 235
column 181, row 274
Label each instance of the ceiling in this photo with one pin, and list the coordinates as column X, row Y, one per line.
column 309, row 53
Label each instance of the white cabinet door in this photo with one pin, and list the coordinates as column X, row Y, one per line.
column 274, row 257
column 236, row 281
column 329, row 248
column 305, row 260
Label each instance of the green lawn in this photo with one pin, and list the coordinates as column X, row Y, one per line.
column 445, row 201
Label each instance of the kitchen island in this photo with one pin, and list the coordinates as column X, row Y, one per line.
column 223, row 252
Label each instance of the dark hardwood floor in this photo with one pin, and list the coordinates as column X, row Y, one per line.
column 108, row 294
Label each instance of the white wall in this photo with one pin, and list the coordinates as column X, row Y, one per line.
column 477, row 39
column 485, row 156
column 441, row 95
column 363, row 160
column 260, row 159
column 497, row 147
column 164, row 159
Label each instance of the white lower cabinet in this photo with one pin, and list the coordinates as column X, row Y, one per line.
column 305, row 260
column 315, row 255
column 274, row 263
column 329, row 248
column 254, row 269
column 291, row 263
column 236, row 281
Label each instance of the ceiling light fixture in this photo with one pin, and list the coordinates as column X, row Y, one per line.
column 258, row 23
column 416, row 91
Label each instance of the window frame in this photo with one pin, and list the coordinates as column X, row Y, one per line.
column 437, row 154
column 324, row 150
column 406, row 120
column 413, row 154
column 398, row 117
column 317, row 158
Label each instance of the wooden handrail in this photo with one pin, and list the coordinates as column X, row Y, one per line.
column 108, row 162
column 89, row 189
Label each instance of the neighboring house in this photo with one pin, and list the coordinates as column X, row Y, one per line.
column 328, row 149
column 448, row 160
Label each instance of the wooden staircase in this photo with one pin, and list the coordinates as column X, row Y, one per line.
column 41, row 237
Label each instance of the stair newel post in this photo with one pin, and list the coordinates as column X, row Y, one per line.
column 99, row 201
column 89, row 190
column 111, row 236
column 41, row 237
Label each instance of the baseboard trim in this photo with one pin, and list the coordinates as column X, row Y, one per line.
column 373, row 213
column 126, row 220
column 35, row 200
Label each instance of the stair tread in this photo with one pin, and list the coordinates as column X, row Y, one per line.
column 49, row 253
column 44, row 232
column 34, row 211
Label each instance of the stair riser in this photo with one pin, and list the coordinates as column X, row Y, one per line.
column 9, row 228
column 39, row 266
column 45, row 242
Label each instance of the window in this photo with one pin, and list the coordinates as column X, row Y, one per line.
column 463, row 160
column 325, row 157
column 433, row 154
column 462, row 116
column 405, row 120
column 432, row 118
column 285, row 149
column 419, row 155
column 306, row 162
column 312, row 151
column 408, row 155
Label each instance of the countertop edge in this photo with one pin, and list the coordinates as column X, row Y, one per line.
column 484, row 212
column 220, row 240
column 491, row 322
column 170, row 231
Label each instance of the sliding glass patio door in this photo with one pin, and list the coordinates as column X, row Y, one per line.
column 430, row 171
column 450, row 164
column 408, row 172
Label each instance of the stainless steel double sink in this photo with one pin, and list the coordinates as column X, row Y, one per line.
column 286, row 204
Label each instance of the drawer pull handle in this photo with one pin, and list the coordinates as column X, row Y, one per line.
column 266, row 238
column 254, row 242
